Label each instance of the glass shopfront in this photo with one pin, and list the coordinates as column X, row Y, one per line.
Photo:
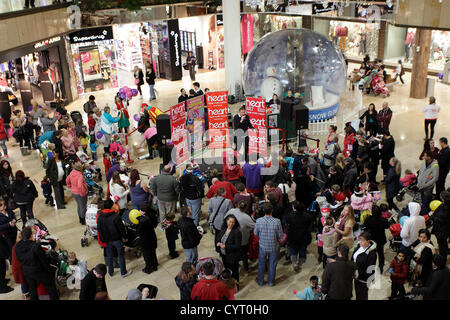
column 355, row 39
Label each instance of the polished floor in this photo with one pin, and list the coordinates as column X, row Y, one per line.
column 406, row 127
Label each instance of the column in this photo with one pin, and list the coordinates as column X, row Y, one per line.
column 422, row 42
column 232, row 54
column 381, row 39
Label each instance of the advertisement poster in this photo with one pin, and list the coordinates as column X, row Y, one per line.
column 90, row 65
column 256, row 110
column 247, row 23
column 196, row 121
column 179, row 134
column 219, row 136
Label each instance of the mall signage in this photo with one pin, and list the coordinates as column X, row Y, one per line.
column 219, row 136
column 91, row 34
column 323, row 114
column 256, row 111
column 196, row 120
column 47, row 42
column 179, row 134
column 175, row 50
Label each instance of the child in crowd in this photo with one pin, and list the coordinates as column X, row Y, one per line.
column 325, row 212
column 361, row 200
column 329, row 240
column 116, row 145
column 93, row 147
column 409, row 178
column 230, row 282
column 77, row 267
column 47, row 191
column 83, row 138
column 313, row 292
column 289, row 159
column 91, row 124
column 338, row 195
column 107, row 162
column 385, row 212
column 399, row 273
column 171, row 229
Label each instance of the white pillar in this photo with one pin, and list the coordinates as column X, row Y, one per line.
column 232, row 35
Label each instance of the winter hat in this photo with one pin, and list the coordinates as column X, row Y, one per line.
column 134, row 294
column 325, row 211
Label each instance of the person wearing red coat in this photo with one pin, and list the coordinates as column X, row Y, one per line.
column 3, row 137
column 232, row 173
column 19, row 277
column 398, row 269
column 230, row 189
column 349, row 139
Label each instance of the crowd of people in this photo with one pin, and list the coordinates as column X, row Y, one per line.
column 332, row 198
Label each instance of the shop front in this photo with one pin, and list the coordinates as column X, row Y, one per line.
column 38, row 71
column 355, row 39
column 94, row 59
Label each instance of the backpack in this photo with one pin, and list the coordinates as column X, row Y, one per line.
column 87, row 107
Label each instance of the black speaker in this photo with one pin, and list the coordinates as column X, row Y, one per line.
column 301, row 117
column 286, row 110
column 163, row 126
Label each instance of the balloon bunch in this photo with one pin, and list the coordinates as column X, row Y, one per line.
column 127, row 93
column 144, row 108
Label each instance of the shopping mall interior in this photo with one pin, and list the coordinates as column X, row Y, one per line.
column 336, row 58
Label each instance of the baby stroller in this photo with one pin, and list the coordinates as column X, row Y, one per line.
column 218, row 266
column 132, row 235
column 93, row 187
column 410, row 190
column 42, row 235
column 91, row 224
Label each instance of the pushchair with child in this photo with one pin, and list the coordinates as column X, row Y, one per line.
column 91, row 224
column 412, row 190
column 218, row 266
column 133, row 238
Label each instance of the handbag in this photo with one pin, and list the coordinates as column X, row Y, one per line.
column 185, row 66
column 12, row 205
column 136, row 81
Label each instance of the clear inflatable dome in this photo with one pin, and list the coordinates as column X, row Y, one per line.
column 300, row 60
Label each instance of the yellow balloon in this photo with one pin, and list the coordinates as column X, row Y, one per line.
column 435, row 204
column 133, row 215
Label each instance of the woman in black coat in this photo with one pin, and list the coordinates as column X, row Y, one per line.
column 150, row 78
column 138, row 78
column 298, row 224
column 441, row 223
column 392, row 181
column 6, row 178
column 23, row 192
column 365, row 255
column 387, row 150
column 147, row 237
column 376, row 226
column 8, row 235
column 424, row 256
column 185, row 280
column 229, row 245
column 56, row 173
column 438, row 288
column 304, row 186
column 371, row 121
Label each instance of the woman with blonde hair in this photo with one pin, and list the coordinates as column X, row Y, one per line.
column 344, row 226
column 340, row 162
column 393, row 182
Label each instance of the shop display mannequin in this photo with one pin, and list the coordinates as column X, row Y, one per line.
column 409, row 42
column 55, row 79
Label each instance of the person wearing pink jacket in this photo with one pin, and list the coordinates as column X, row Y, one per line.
column 361, row 200
column 76, row 183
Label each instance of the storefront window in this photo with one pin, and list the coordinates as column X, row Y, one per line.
column 355, row 39
column 266, row 23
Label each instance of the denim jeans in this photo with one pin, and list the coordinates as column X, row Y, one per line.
column 152, row 91
column 3, row 145
column 273, row 261
column 195, row 206
column 295, row 251
column 109, row 256
column 191, row 255
column 81, row 205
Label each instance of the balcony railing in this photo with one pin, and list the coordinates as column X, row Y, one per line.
column 16, row 7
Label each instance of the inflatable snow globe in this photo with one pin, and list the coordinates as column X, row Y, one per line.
column 301, row 60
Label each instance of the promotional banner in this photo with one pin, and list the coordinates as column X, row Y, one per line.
column 256, row 110
column 247, row 33
column 196, row 121
column 219, row 136
column 179, row 134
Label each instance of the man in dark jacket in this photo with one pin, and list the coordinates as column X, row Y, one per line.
column 337, row 278
column 190, row 235
column 167, row 190
column 93, row 283
column 242, row 121
column 384, row 116
column 111, row 231
column 147, row 236
column 35, row 265
column 438, row 287
column 298, row 234
column 350, row 174
column 365, row 257
column 376, row 226
column 441, row 223
column 444, row 164
column 192, row 190
column 387, row 150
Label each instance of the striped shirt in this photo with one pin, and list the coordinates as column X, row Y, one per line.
column 268, row 229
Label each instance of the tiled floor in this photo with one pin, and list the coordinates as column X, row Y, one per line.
column 406, row 127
